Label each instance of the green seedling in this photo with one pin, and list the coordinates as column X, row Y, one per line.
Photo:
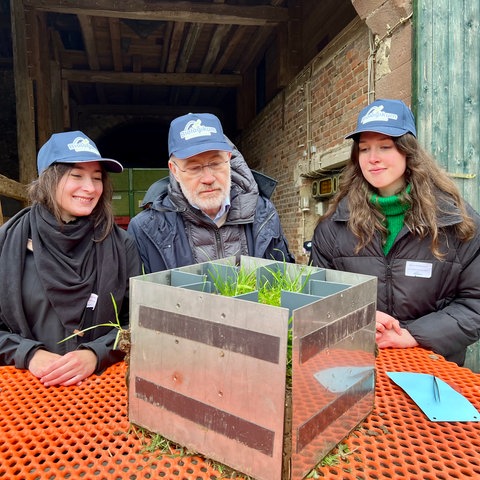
column 115, row 324
column 269, row 293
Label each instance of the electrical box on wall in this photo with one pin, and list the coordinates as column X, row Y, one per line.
column 325, row 187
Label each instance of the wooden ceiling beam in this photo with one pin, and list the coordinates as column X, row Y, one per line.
column 256, row 50
column 88, row 33
column 163, row 79
column 218, row 13
column 234, row 41
column 188, row 47
column 175, row 45
column 115, row 36
column 221, row 31
column 86, row 24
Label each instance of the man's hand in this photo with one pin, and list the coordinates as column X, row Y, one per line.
column 390, row 334
column 69, row 369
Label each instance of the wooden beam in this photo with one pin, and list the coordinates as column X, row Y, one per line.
column 165, row 47
column 175, row 44
column 257, row 48
column 163, row 111
column 163, row 79
column 12, row 189
column 189, row 12
column 221, row 31
column 231, row 46
column 88, row 33
column 115, row 38
column 43, row 83
column 59, row 86
column 188, row 47
column 57, row 99
column 66, row 104
column 25, row 111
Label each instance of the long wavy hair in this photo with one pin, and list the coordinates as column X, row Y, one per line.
column 428, row 183
column 43, row 191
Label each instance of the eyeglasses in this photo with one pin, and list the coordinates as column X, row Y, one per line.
column 197, row 170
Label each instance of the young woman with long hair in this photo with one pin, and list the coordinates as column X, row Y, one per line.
column 63, row 264
column 400, row 217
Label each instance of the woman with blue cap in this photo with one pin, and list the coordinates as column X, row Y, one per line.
column 400, row 217
column 65, row 267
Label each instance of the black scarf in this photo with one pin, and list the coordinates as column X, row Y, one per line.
column 70, row 264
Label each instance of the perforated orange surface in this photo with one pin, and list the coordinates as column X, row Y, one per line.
column 78, row 432
column 83, row 432
column 398, row 441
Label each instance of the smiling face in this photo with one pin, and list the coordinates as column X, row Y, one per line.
column 79, row 190
column 382, row 164
column 205, row 188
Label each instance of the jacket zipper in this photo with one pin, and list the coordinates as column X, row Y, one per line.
column 389, row 289
column 263, row 224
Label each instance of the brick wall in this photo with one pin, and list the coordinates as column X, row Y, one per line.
column 309, row 119
column 317, row 110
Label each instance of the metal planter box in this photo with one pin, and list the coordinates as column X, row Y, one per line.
column 208, row 371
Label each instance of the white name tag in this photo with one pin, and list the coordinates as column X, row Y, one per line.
column 418, row 269
column 92, row 301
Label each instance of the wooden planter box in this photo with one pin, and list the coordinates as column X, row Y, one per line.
column 209, row 372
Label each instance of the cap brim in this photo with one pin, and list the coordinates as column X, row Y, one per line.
column 390, row 131
column 110, row 165
column 197, row 149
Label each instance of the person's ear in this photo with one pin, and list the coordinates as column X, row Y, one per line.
column 173, row 169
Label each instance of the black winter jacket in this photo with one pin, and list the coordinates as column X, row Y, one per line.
column 161, row 234
column 437, row 301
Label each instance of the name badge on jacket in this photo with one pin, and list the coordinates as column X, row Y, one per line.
column 418, row 269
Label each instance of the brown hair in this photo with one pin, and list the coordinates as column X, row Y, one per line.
column 428, row 183
column 43, row 191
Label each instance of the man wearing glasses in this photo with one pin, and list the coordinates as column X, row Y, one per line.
column 212, row 206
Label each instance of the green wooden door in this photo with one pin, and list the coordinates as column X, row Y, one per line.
column 446, row 91
column 446, row 87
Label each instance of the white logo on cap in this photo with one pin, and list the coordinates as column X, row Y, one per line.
column 194, row 128
column 376, row 114
column 81, row 144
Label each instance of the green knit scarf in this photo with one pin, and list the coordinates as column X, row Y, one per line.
column 394, row 210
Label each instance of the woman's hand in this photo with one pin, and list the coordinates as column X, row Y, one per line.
column 69, row 369
column 390, row 334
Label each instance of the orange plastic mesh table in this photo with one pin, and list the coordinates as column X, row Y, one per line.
column 83, row 431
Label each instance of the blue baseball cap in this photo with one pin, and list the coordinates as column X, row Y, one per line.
column 72, row 147
column 390, row 117
column 196, row 133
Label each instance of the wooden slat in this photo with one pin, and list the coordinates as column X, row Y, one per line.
column 114, row 25
column 88, row 33
column 42, row 77
column 447, row 88
column 12, row 189
column 175, row 45
column 171, row 11
column 221, row 32
column 172, row 79
column 24, row 97
column 257, row 47
column 231, row 46
column 188, row 47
